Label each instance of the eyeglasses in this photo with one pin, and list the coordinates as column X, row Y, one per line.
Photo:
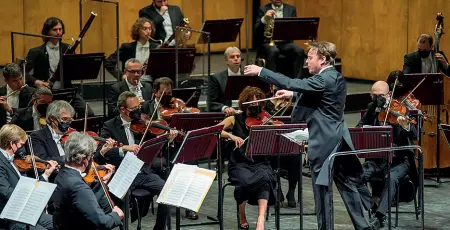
column 66, row 120
column 134, row 71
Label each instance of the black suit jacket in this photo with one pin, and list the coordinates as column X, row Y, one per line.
column 25, row 96
column 289, row 11
column 37, row 60
column 176, row 17
column 126, row 51
column 44, row 147
column 8, row 181
column 120, row 87
column 76, row 205
column 413, row 63
column 216, row 90
column 23, row 118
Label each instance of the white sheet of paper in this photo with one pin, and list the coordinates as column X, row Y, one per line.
column 125, row 174
column 297, row 136
column 177, row 184
column 28, row 201
column 198, row 189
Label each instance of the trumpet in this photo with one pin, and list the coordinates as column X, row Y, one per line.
column 268, row 30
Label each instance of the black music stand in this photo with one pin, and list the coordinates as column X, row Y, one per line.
column 235, row 85
column 192, row 121
column 288, row 29
column 67, row 94
column 199, row 144
column 161, row 62
column 186, row 93
column 264, row 141
column 93, row 124
column 433, row 83
column 222, row 30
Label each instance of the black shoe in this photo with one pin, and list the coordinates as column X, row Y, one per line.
column 191, row 215
column 375, row 223
column 246, row 227
column 290, row 197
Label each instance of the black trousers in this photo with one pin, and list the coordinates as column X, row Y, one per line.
column 290, row 50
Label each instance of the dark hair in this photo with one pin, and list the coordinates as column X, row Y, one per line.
column 12, row 70
column 49, row 24
column 123, row 97
column 247, row 95
column 423, row 38
column 137, row 26
column 396, row 74
column 162, row 80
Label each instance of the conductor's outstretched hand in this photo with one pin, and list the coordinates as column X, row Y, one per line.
column 252, row 70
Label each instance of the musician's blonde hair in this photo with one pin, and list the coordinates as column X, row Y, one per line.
column 325, row 49
column 11, row 133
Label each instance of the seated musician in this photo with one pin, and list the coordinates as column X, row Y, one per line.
column 76, row 204
column 278, row 9
column 403, row 162
column 43, row 61
column 141, row 32
column 132, row 83
column 29, row 118
column 218, row 82
column 12, row 95
column 253, row 178
column 12, row 144
column 425, row 59
column 119, row 129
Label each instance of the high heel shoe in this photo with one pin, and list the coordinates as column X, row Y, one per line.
column 246, row 227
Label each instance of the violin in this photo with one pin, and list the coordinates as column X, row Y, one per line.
column 176, row 105
column 263, row 118
column 90, row 133
column 157, row 127
column 91, row 177
column 24, row 164
column 395, row 109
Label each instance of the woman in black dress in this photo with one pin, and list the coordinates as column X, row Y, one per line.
column 254, row 179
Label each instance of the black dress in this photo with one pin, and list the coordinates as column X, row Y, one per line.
column 253, row 178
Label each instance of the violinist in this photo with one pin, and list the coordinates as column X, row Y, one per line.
column 254, row 180
column 76, row 204
column 403, row 162
column 14, row 94
column 132, row 82
column 33, row 117
column 118, row 128
column 12, row 144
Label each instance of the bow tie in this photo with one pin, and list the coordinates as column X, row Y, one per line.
column 10, row 158
column 53, row 47
column 143, row 47
column 126, row 124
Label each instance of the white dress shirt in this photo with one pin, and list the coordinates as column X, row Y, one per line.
column 82, row 174
column 142, row 54
column 57, row 140
column 167, row 24
column 36, row 117
column 278, row 13
column 53, row 58
column 231, row 73
column 427, row 64
column 12, row 100
column 135, row 89
column 128, row 133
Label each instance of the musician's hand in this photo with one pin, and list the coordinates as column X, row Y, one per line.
column 229, row 111
column 124, row 77
column 51, row 168
column 39, row 83
column 4, row 104
column 402, row 121
column 237, row 140
column 286, row 94
column 131, row 148
column 163, row 9
column 172, row 134
column 252, row 70
column 269, row 14
column 441, row 59
column 109, row 144
column 118, row 211
column 109, row 171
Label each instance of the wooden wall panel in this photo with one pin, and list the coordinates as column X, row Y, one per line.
column 11, row 20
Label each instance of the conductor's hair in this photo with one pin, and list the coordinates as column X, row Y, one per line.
column 325, row 49
column 49, row 24
column 424, row 38
column 162, row 81
column 123, row 97
column 12, row 70
column 248, row 94
column 137, row 26
column 11, row 133
column 78, row 146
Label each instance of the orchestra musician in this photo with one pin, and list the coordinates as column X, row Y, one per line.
column 403, row 162
column 14, row 94
column 218, row 81
column 29, row 118
column 253, row 178
column 43, row 61
column 162, row 84
column 132, row 82
column 12, row 143
column 278, row 9
column 425, row 59
column 165, row 17
column 320, row 101
column 76, row 204
column 141, row 32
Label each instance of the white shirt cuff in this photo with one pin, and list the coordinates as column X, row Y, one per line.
column 121, row 152
column 407, row 128
column 263, row 20
column 224, row 107
column 45, row 177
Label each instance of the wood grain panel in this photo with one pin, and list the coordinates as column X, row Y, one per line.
column 11, row 20
column 373, row 37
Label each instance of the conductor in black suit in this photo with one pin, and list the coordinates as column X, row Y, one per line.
column 425, row 59
column 278, row 9
column 218, row 82
column 166, row 19
column 12, row 144
column 76, row 204
column 19, row 95
column 132, row 82
column 320, row 101
column 43, row 61
column 141, row 32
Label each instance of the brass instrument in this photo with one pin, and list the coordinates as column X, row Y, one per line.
column 268, row 30
column 145, row 65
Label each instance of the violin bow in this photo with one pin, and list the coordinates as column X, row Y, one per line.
column 151, row 118
column 110, row 202
column 192, row 96
column 85, row 118
column 409, row 94
column 388, row 110
column 33, row 161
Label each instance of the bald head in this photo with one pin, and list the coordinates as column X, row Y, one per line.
column 380, row 88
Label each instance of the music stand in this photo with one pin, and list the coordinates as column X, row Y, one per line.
column 161, row 62
column 222, row 30
column 288, row 29
column 433, row 83
column 151, row 148
column 93, row 124
column 67, row 94
column 192, row 121
column 199, row 144
column 235, row 85
column 186, row 93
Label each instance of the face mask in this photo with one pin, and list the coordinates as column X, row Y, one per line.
column 42, row 109
column 253, row 111
column 165, row 100
column 424, row 53
column 63, row 127
column 20, row 152
column 135, row 115
column 379, row 101
column 88, row 167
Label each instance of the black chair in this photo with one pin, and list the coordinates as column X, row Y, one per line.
column 141, row 200
column 403, row 183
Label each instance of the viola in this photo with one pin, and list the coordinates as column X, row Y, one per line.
column 395, row 110
column 24, row 164
column 263, row 118
column 91, row 177
column 176, row 105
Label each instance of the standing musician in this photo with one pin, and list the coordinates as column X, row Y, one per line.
column 12, row 143
column 218, row 82
column 253, row 178
column 166, row 19
column 76, row 204
column 33, row 117
column 278, row 9
column 132, row 82
column 425, row 59
column 14, row 94
column 403, row 162
column 320, row 101
column 141, row 32
column 43, row 61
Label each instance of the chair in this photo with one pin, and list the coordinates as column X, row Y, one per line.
column 140, row 200
column 397, row 198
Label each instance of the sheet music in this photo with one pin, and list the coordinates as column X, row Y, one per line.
column 298, row 136
column 177, row 184
column 198, row 189
column 124, row 176
column 28, row 200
